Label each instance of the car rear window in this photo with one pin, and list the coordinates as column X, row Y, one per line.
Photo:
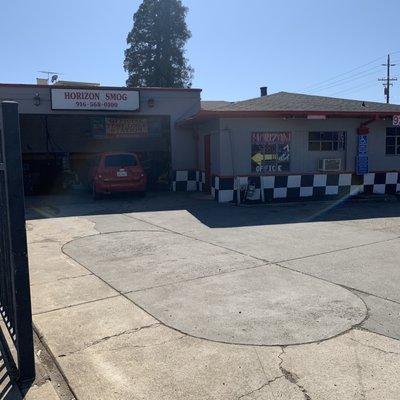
column 120, row 160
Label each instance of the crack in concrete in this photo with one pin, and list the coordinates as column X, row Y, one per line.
column 253, row 391
column 150, row 345
column 291, row 376
column 359, row 373
column 259, row 360
column 261, row 387
column 77, row 304
column 267, row 383
column 370, row 330
column 350, row 288
column 374, row 347
column 44, row 241
column 105, row 338
column 61, row 279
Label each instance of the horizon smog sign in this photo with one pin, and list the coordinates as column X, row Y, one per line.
column 94, row 99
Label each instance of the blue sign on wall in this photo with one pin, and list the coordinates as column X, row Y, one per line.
column 362, row 144
column 362, row 155
column 361, row 165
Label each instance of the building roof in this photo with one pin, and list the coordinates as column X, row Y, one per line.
column 30, row 85
column 284, row 101
column 284, row 104
column 212, row 105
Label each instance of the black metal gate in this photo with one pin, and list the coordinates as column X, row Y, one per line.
column 15, row 302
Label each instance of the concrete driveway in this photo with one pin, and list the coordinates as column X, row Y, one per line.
column 177, row 297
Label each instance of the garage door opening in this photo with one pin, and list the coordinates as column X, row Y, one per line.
column 58, row 150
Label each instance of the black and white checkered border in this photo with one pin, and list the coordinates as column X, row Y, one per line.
column 188, row 181
column 292, row 187
column 222, row 188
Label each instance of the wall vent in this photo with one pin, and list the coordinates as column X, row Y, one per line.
column 329, row 164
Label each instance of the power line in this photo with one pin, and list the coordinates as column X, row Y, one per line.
column 354, row 88
column 346, row 80
column 345, row 73
column 321, row 83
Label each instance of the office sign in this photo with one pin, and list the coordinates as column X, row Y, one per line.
column 94, row 99
column 270, row 152
column 396, row 120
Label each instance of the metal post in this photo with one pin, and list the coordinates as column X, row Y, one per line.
column 388, row 80
column 19, row 252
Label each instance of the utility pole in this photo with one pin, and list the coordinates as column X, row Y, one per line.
column 388, row 79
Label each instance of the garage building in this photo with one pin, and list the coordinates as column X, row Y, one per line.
column 283, row 146
column 64, row 125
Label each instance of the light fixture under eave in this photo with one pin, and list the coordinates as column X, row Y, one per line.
column 36, row 100
column 316, row 116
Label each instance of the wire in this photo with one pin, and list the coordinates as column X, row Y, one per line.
column 348, row 72
column 346, row 80
column 344, row 73
column 354, row 88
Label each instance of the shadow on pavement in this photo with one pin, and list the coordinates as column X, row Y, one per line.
column 209, row 212
column 8, row 388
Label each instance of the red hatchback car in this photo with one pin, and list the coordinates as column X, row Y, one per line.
column 117, row 172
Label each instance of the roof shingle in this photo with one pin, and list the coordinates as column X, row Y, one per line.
column 213, row 105
column 284, row 101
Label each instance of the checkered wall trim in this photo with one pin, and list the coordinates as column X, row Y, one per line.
column 222, row 189
column 188, row 181
column 292, row 187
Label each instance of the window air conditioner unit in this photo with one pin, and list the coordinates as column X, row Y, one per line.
column 329, row 164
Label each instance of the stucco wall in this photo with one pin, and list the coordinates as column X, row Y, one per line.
column 177, row 104
column 235, row 142
column 210, row 128
column 378, row 160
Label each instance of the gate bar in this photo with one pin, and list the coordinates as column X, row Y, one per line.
column 19, row 252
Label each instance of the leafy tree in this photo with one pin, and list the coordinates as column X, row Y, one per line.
column 155, row 53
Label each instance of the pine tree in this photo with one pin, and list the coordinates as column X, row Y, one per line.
column 155, row 53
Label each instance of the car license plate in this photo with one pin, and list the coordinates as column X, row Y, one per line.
column 121, row 173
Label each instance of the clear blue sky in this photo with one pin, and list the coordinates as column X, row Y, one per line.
column 236, row 45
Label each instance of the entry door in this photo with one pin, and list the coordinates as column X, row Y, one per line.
column 207, row 162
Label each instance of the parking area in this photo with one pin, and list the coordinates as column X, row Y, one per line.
column 174, row 296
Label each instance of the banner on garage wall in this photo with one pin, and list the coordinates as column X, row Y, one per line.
column 111, row 128
column 126, row 127
column 270, row 152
